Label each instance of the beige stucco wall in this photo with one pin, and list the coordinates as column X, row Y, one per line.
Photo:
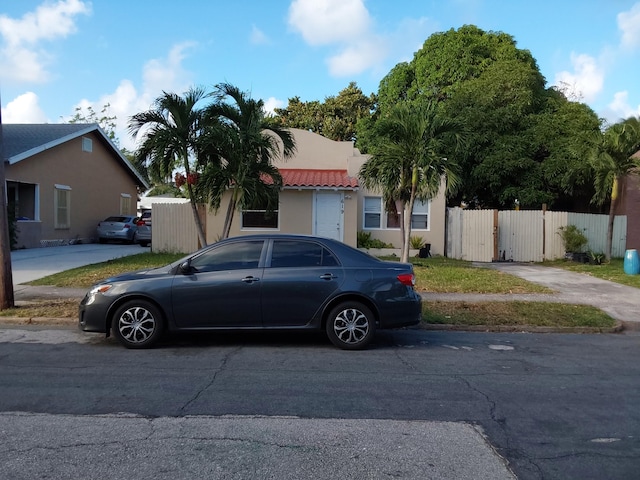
column 97, row 181
column 295, row 216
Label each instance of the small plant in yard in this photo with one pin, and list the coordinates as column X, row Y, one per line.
column 416, row 242
column 572, row 238
column 596, row 258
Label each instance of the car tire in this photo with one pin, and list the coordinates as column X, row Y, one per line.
column 137, row 324
column 143, row 243
column 351, row 326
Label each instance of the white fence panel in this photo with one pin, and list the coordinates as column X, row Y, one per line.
column 520, row 235
column 477, row 235
column 525, row 235
column 453, row 241
column 595, row 229
column 553, row 247
column 174, row 229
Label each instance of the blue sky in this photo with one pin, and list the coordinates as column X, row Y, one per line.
column 56, row 55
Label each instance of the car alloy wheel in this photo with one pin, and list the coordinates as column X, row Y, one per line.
column 137, row 324
column 351, row 326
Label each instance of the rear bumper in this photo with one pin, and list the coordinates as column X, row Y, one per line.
column 402, row 312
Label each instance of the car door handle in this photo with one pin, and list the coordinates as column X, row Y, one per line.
column 250, row 279
column 328, row 276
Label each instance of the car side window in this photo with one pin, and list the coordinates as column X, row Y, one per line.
column 231, row 256
column 293, row 253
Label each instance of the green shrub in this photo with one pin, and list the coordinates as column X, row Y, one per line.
column 572, row 238
column 365, row 241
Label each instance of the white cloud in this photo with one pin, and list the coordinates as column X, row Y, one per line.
column 323, row 22
column 24, row 109
column 357, row 57
column 22, row 59
column 167, row 74
column 345, row 24
column 161, row 74
column 629, row 24
column 271, row 103
column 586, row 80
column 258, row 37
column 619, row 108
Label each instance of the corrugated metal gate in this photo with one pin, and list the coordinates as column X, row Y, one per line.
column 524, row 235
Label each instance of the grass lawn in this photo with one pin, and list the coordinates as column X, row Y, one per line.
column 437, row 274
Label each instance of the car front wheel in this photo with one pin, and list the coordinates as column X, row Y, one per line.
column 351, row 326
column 137, row 324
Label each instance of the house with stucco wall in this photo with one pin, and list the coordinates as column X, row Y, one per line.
column 62, row 179
column 322, row 196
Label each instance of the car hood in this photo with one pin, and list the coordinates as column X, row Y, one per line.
column 141, row 274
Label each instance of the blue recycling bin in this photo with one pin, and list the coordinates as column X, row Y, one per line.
column 631, row 262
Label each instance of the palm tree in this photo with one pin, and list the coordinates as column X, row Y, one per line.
column 411, row 160
column 238, row 154
column 170, row 133
column 612, row 161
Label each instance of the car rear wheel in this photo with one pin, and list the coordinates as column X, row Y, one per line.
column 137, row 324
column 351, row 326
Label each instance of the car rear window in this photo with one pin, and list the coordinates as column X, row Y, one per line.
column 118, row 219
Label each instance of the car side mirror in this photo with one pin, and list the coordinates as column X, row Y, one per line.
column 185, row 268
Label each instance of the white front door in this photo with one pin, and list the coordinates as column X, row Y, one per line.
column 329, row 215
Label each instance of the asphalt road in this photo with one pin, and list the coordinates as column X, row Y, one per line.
column 416, row 405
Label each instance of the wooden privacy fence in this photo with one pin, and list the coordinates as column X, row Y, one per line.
column 524, row 235
column 174, row 229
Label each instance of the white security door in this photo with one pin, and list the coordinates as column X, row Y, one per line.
column 329, row 215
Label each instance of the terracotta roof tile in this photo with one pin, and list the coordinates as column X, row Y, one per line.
column 317, row 178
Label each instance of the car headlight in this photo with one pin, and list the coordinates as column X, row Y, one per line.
column 98, row 289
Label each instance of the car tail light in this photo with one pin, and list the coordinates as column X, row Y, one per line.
column 408, row 279
column 140, row 223
column 126, row 225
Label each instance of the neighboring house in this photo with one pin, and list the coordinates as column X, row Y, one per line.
column 629, row 205
column 322, row 196
column 62, row 179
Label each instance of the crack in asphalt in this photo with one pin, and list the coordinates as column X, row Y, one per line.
column 219, row 370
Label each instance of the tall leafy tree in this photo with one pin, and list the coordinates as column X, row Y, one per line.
column 335, row 118
column 170, row 133
column 415, row 154
column 238, row 153
column 524, row 139
column 613, row 160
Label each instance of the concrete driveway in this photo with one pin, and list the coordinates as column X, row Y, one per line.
column 34, row 263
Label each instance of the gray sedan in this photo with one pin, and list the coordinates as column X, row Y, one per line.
column 258, row 282
column 118, row 227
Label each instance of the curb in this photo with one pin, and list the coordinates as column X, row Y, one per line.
column 617, row 328
column 37, row 321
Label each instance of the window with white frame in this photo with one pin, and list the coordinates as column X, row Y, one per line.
column 372, row 212
column 62, row 206
column 125, row 204
column 420, row 216
column 373, row 208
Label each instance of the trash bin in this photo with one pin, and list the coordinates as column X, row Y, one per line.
column 631, row 262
